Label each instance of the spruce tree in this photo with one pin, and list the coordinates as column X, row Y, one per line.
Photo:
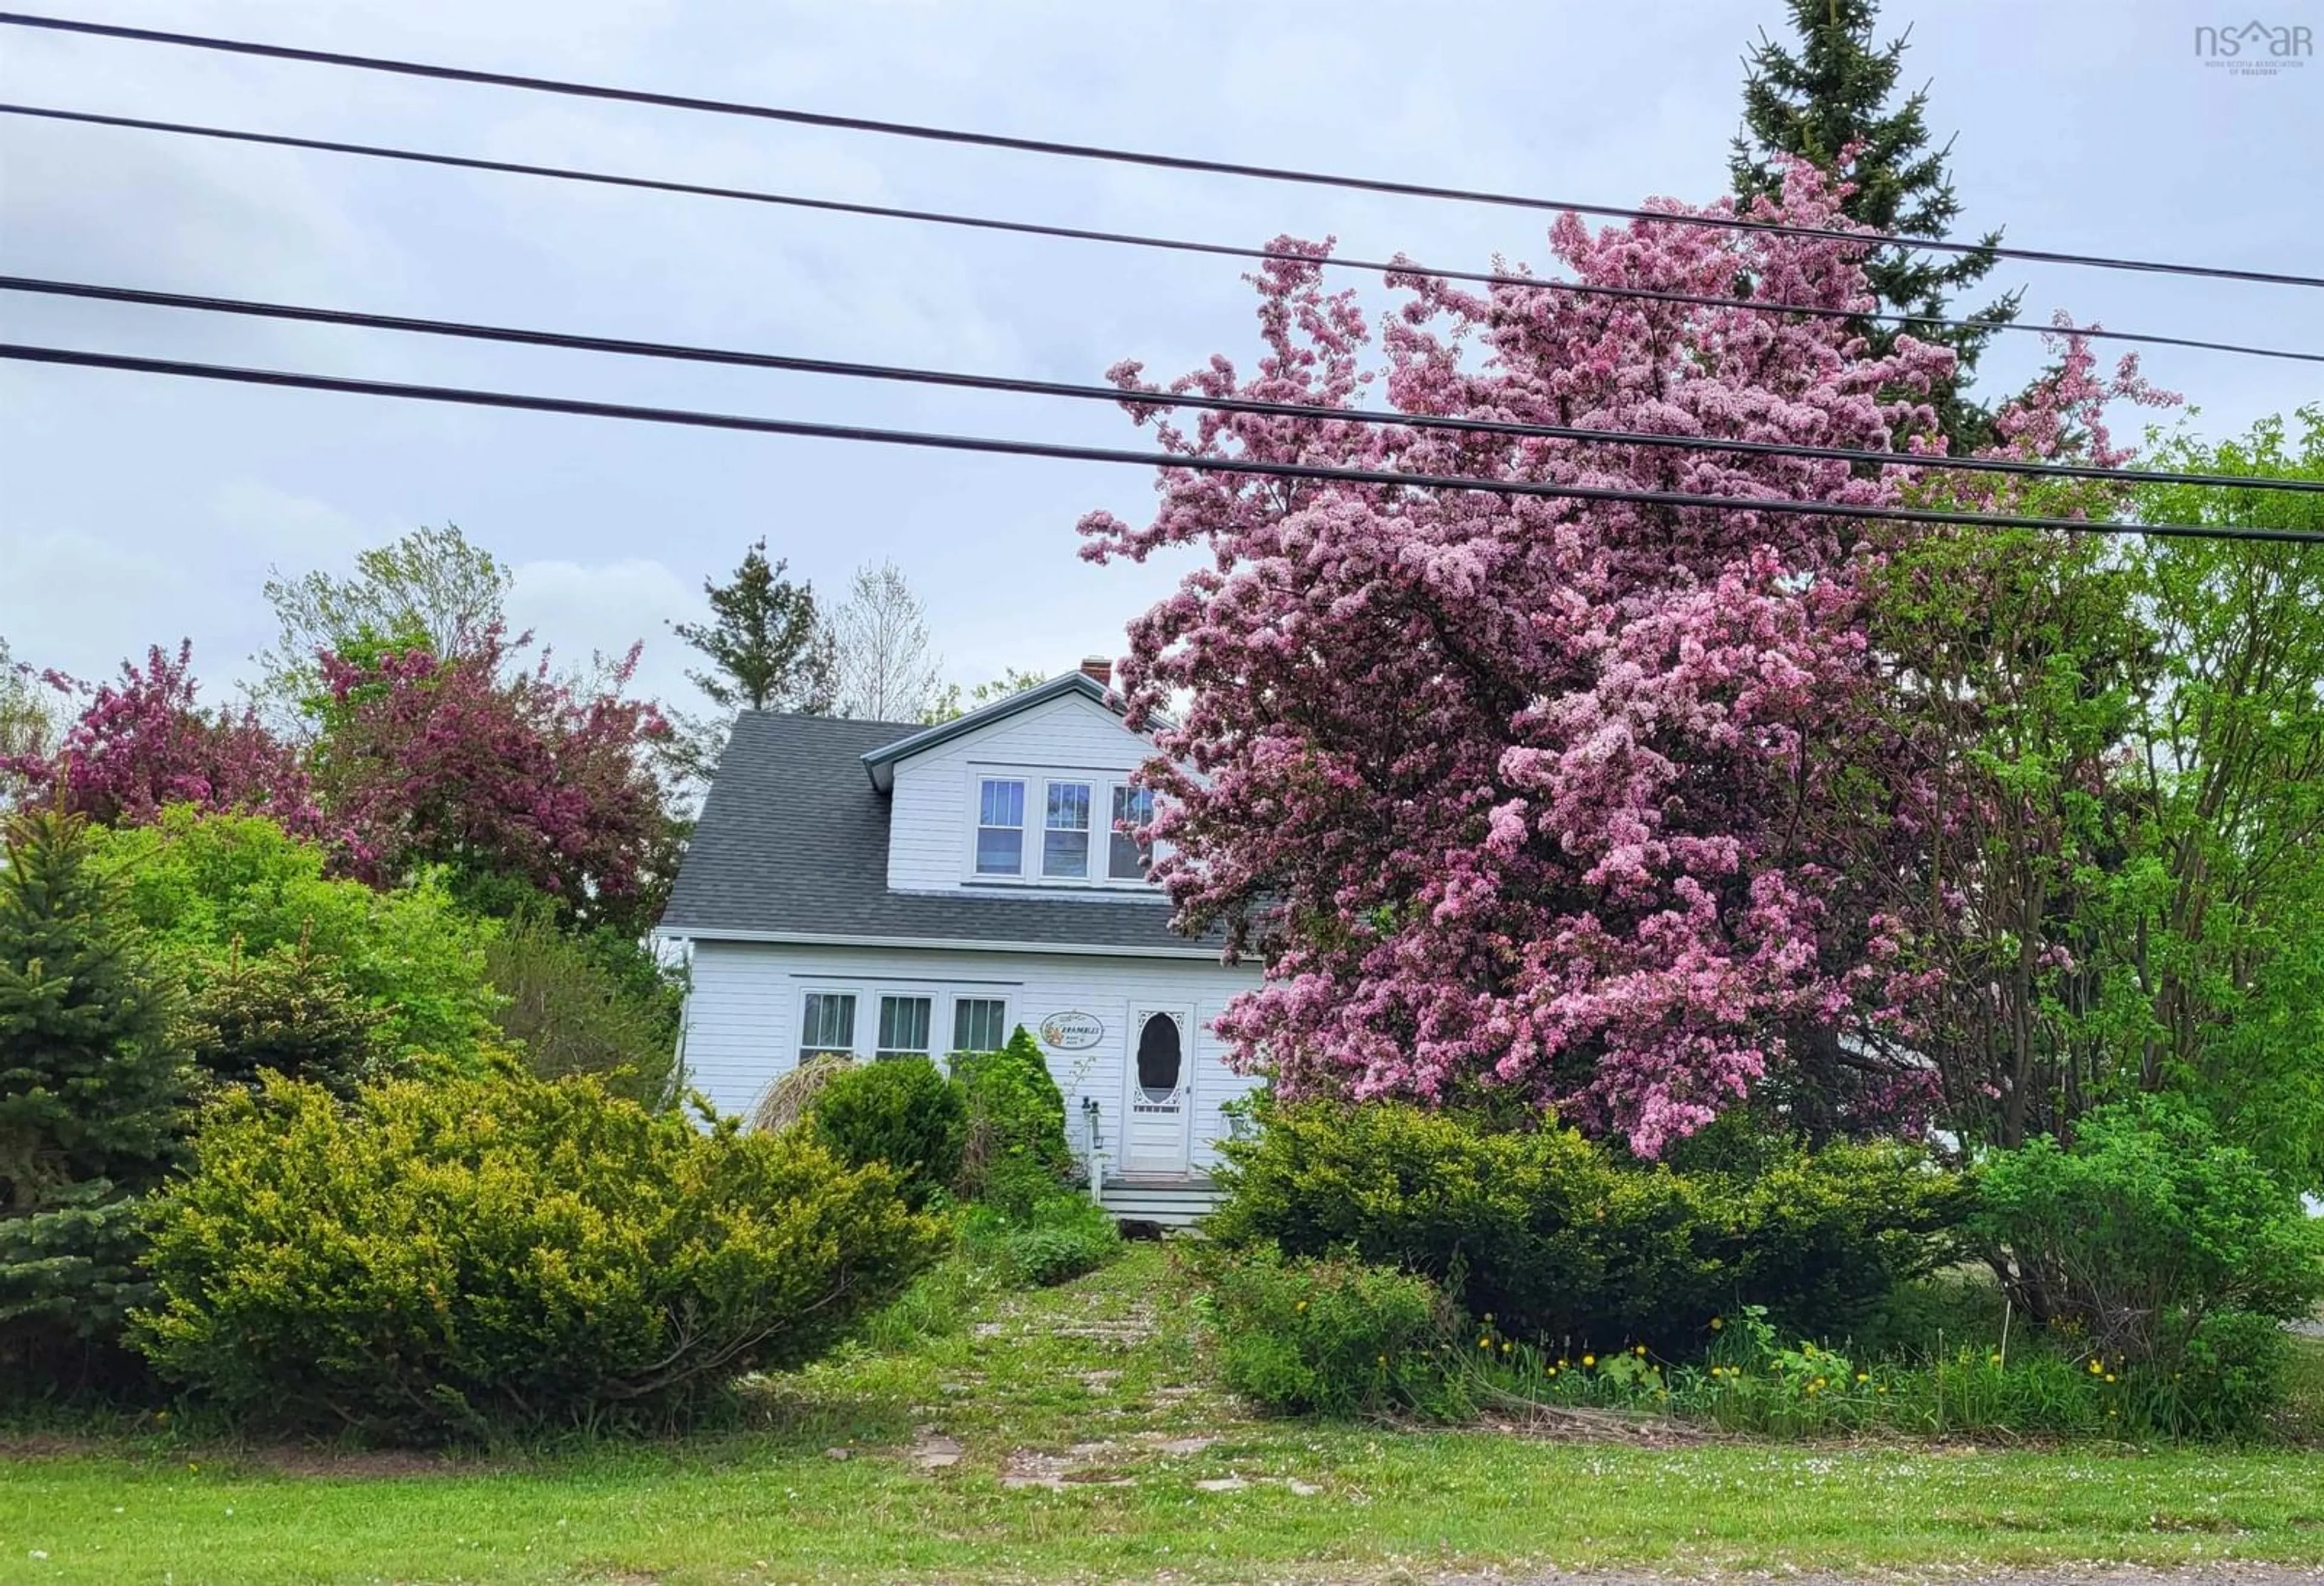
column 92, row 1079
column 286, row 1012
column 767, row 647
column 1831, row 93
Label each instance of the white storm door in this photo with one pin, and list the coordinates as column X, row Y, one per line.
column 1159, row 1090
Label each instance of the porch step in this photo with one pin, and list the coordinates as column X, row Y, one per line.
column 1171, row 1203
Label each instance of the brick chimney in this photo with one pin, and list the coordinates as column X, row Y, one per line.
column 1097, row 668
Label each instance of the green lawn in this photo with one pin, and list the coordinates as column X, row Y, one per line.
column 1086, row 1434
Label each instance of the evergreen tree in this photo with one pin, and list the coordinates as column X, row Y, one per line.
column 288, row 1011
column 1831, row 93
column 91, row 1081
column 767, row 648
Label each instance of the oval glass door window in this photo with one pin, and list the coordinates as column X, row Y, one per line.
column 1160, row 1059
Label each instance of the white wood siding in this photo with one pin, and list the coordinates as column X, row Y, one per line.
column 930, row 832
column 742, row 1017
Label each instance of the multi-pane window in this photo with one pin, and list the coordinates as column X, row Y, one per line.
column 903, row 1027
column 979, row 1024
column 826, row 1023
column 1000, row 827
column 1128, row 858
column 1065, row 832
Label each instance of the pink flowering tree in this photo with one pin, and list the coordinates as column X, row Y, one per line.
column 518, row 780
column 145, row 741
column 1527, row 794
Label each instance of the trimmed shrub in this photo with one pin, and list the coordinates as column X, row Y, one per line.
column 447, row 1259
column 1015, row 1152
column 1554, row 1236
column 1333, row 1337
column 1062, row 1237
column 900, row 1112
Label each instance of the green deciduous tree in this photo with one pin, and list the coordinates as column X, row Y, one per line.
column 432, row 584
column 208, row 888
column 951, row 703
column 2099, row 805
column 91, row 1083
column 1831, row 94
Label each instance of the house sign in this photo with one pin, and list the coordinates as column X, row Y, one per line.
column 1071, row 1031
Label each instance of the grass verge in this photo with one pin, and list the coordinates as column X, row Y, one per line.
column 1073, row 1434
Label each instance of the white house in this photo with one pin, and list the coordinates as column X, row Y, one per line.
column 879, row 888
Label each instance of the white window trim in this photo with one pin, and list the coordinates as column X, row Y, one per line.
column 931, row 995
column 1030, row 877
column 799, row 1047
column 952, row 1015
column 977, row 777
column 943, row 1000
column 1096, row 791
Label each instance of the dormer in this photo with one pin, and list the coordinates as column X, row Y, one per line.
column 1024, row 796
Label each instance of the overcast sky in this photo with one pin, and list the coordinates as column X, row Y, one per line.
column 135, row 509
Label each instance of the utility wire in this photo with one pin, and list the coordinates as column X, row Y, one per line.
column 1117, row 238
column 1196, row 463
column 1118, row 396
column 900, row 129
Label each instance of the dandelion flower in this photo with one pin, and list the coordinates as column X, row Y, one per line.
column 1640, row 1351
column 1864, row 1375
column 2109, row 1377
column 1589, row 1360
column 1717, row 1323
column 2096, row 1367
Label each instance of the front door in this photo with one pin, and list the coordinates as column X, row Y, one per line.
column 1159, row 1100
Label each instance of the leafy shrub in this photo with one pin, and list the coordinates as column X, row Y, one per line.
column 2151, row 1240
column 1332, row 1336
column 569, row 1014
column 200, row 884
column 1015, row 1149
column 92, row 1081
column 900, row 1112
column 1062, row 1237
column 451, row 1257
column 1552, row 1234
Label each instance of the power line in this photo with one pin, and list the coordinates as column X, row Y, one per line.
column 1116, row 238
column 899, row 129
column 1117, row 396
column 1196, row 463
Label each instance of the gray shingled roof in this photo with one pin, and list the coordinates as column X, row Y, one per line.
column 793, row 842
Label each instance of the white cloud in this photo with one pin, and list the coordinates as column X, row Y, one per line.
column 602, row 610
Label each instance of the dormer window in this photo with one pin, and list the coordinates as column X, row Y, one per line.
column 1065, row 832
column 1056, row 826
column 1127, row 857
column 1000, row 827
